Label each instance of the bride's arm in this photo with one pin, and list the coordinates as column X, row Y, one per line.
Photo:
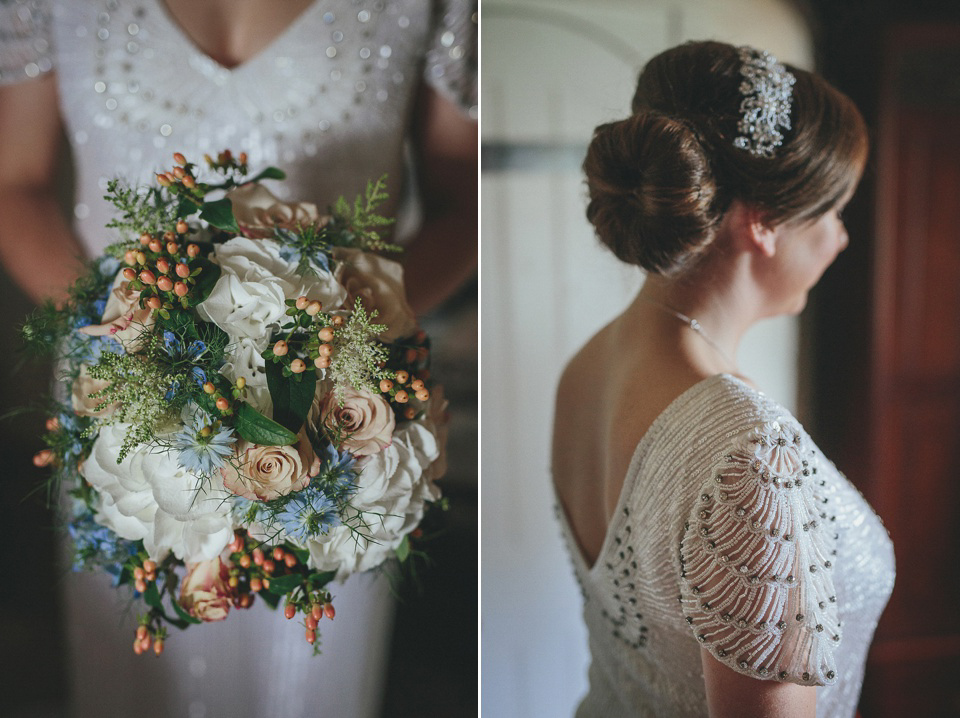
column 734, row 695
column 444, row 254
column 37, row 248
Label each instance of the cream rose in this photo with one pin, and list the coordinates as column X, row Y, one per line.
column 378, row 282
column 205, row 593
column 123, row 319
column 365, row 421
column 267, row 472
column 83, row 386
column 259, row 212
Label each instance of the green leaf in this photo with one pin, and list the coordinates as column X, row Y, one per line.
column 282, row 585
column 186, row 207
column 321, row 579
column 291, row 399
column 258, row 429
column 403, row 550
column 205, row 281
column 269, row 173
column 182, row 613
column 152, row 596
column 220, row 215
column 271, row 599
column 301, row 553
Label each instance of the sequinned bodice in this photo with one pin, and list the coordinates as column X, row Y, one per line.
column 734, row 533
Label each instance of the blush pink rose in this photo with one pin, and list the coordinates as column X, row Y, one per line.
column 123, row 319
column 267, row 472
column 259, row 212
column 378, row 282
column 205, row 593
column 364, row 421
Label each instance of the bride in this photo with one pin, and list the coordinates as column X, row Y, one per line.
column 335, row 93
column 728, row 568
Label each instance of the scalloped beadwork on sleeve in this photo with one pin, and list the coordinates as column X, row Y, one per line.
column 25, row 52
column 451, row 59
column 756, row 561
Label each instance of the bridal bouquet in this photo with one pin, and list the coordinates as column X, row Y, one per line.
column 247, row 409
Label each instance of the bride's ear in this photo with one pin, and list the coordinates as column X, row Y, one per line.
column 751, row 225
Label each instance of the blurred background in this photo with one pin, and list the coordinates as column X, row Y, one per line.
column 872, row 367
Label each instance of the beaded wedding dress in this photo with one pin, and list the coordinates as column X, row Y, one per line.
column 734, row 533
column 329, row 101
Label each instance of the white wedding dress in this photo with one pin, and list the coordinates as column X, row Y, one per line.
column 329, row 101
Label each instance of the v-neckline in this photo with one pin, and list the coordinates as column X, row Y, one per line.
column 187, row 39
column 579, row 556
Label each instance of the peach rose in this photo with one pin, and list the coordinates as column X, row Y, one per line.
column 205, row 593
column 267, row 472
column 259, row 212
column 364, row 420
column 378, row 282
column 83, row 386
column 123, row 319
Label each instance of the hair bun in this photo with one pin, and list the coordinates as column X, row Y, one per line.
column 651, row 191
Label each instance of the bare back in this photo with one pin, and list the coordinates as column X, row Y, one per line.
column 609, row 395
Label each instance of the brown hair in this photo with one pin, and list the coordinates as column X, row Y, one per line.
column 661, row 180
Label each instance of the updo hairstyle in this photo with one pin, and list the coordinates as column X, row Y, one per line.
column 661, row 180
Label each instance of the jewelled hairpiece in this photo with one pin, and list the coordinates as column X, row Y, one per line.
column 767, row 88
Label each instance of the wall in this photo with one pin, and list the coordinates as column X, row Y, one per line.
column 551, row 71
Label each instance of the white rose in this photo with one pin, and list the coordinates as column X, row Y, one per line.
column 378, row 282
column 242, row 359
column 149, row 497
column 392, row 489
column 259, row 212
column 248, row 299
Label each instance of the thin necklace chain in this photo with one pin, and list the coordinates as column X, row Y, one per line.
column 694, row 325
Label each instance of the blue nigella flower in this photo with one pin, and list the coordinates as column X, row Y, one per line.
column 308, row 513
column 199, row 375
column 337, row 474
column 174, row 347
column 98, row 546
column 199, row 453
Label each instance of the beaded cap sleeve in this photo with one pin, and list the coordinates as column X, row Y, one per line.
column 757, row 586
column 25, row 51
column 451, row 59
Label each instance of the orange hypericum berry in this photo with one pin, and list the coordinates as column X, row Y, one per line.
column 149, row 565
column 281, row 348
column 162, row 179
column 193, row 250
column 189, row 182
column 325, row 350
column 148, row 277
column 164, row 284
column 298, row 366
column 141, row 632
column 52, row 424
column 311, row 623
column 245, row 561
column 233, row 582
column 179, row 158
column 258, row 556
column 416, row 384
column 129, row 257
column 321, row 362
column 139, row 573
column 155, row 245
column 401, row 397
column 278, row 554
column 290, row 559
column 169, row 236
column 241, row 382
column 237, row 542
column 311, row 636
column 154, row 302
column 329, row 611
column 180, row 289
column 336, row 320
column 256, row 585
column 223, row 403
column 145, row 239
column 163, row 266
column 141, row 258
column 172, row 247
column 209, row 388
column 140, row 585
column 182, row 227
column 243, row 158
column 146, row 641
column 410, row 413
column 179, row 172
column 289, row 610
column 302, row 302
column 269, row 566
column 313, row 308
column 137, row 648
column 422, row 395
column 182, row 270
column 158, row 646
column 325, row 334
column 385, row 385
column 316, row 611
column 130, row 274
column 402, row 376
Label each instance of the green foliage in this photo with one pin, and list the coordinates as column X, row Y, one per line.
column 140, row 210
column 357, row 354
column 360, row 225
column 291, row 398
column 258, row 429
column 220, row 215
